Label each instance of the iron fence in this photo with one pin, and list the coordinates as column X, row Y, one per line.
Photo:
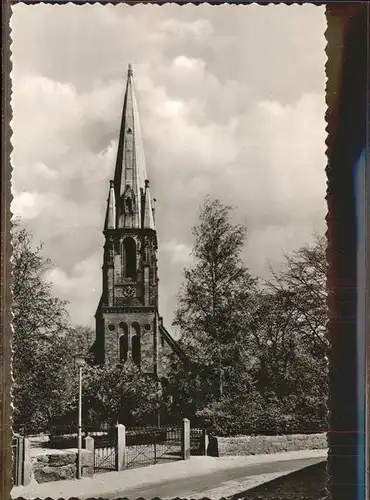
column 105, row 453
column 171, row 447
column 152, row 445
column 143, row 445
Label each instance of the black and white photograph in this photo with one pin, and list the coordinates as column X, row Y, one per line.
column 169, row 251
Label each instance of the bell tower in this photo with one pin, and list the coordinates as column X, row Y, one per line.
column 127, row 319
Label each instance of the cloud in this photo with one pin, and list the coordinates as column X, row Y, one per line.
column 200, row 29
column 188, row 63
column 25, row 205
column 83, row 278
column 177, row 252
column 218, row 117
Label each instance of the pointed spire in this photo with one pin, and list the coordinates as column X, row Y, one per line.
column 110, row 217
column 130, row 173
column 148, row 222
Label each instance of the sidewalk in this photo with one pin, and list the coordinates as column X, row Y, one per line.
column 106, row 484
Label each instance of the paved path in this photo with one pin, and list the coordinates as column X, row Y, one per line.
column 194, row 478
column 217, row 484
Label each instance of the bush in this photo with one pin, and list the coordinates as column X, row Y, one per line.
column 257, row 415
column 63, row 442
column 67, row 437
column 230, row 417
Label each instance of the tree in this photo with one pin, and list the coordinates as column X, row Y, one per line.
column 80, row 339
column 120, row 394
column 45, row 389
column 252, row 340
column 77, row 340
column 289, row 338
column 213, row 309
column 40, row 323
column 302, row 281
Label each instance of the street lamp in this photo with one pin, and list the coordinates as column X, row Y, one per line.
column 79, row 362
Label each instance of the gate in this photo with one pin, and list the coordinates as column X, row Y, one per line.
column 152, row 445
column 105, row 453
column 171, row 447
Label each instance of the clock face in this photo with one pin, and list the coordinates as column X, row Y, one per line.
column 128, row 291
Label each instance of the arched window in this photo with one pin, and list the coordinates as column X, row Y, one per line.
column 136, row 348
column 129, row 247
column 123, row 341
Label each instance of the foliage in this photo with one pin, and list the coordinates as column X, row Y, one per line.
column 44, row 342
column 213, row 302
column 77, row 341
column 232, row 415
column 212, row 312
column 120, row 394
column 247, row 343
column 80, row 339
column 289, row 338
column 302, row 281
column 257, row 354
column 40, row 322
column 45, row 389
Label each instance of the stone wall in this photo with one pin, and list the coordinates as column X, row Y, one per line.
column 258, row 445
column 58, row 465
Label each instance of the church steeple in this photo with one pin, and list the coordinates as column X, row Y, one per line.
column 127, row 315
column 130, row 172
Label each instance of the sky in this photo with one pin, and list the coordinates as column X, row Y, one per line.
column 231, row 102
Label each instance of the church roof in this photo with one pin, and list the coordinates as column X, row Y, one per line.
column 130, row 178
column 174, row 345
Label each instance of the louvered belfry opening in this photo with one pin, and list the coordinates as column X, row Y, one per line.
column 129, row 248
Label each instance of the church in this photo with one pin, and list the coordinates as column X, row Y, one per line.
column 128, row 324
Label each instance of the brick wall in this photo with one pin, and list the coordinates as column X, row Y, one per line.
column 111, row 349
column 258, row 445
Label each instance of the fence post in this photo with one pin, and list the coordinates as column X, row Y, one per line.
column 90, row 448
column 19, row 460
column 185, row 439
column 120, row 447
column 205, row 442
column 26, row 461
column 89, row 444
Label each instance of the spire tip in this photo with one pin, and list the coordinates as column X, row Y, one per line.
column 129, row 71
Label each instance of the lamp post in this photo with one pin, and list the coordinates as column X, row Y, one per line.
column 79, row 362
